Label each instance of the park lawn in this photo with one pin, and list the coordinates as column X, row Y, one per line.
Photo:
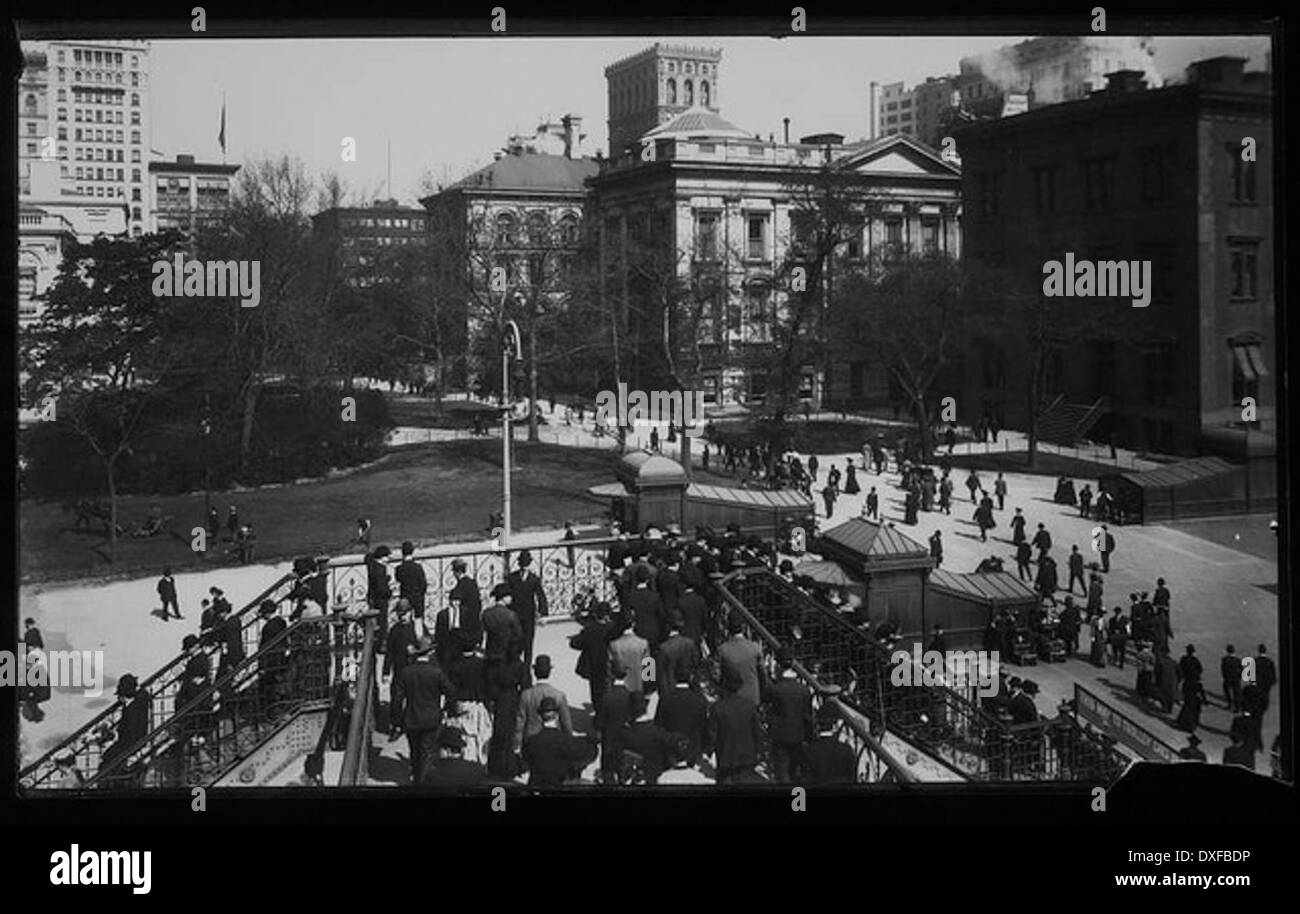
column 442, row 492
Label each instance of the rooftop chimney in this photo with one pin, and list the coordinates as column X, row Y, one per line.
column 787, row 130
column 873, row 99
column 184, row 159
column 572, row 136
column 1222, row 72
column 1126, row 81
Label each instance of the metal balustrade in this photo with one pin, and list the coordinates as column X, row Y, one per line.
column 301, row 669
column 86, row 744
column 941, row 722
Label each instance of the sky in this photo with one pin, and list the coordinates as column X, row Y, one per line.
column 446, row 105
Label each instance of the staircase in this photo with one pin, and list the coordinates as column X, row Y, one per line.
column 935, row 720
column 1066, row 424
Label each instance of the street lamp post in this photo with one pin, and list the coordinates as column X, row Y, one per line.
column 205, row 430
column 510, row 345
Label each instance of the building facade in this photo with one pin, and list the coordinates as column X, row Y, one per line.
column 1148, row 175
column 897, row 111
column 721, row 202
column 656, row 85
column 94, row 96
column 188, row 195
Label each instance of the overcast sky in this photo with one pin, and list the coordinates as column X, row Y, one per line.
column 447, row 104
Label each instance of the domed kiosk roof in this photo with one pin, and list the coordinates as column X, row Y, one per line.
column 642, row 469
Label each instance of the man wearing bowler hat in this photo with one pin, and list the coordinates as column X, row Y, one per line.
column 1192, row 751
column 424, row 687
column 528, row 600
column 528, row 721
column 552, row 755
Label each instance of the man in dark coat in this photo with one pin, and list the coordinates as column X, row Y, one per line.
column 1018, row 527
column 669, row 582
column 1265, row 675
column 167, row 593
column 1161, row 597
column 742, row 657
column 411, row 581
column 830, row 760
column 1042, row 541
column 1069, row 628
column 612, row 714
column 684, row 711
column 528, row 600
column 502, row 630
column 379, row 590
column 1023, row 556
column 1076, row 571
column 1192, row 752
column 425, row 687
column 645, row 609
column 134, row 723
column 450, row 636
column 735, row 731
column 1230, row 670
column 694, row 612
column 936, row 548
column 789, row 719
column 471, row 603
column 656, row 747
column 552, row 756
column 679, row 656
column 401, row 643
column 1106, row 546
column 271, row 666
column 592, row 645
column 505, row 681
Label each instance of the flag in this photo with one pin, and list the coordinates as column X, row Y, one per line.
column 221, row 137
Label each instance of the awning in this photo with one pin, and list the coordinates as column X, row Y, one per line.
column 751, row 498
column 609, row 490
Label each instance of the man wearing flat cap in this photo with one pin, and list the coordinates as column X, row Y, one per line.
column 528, row 600
column 424, row 687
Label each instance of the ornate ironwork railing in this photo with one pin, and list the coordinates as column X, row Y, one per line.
column 567, row 570
column 86, row 744
column 944, row 724
column 220, row 725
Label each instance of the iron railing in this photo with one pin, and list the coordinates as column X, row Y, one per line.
column 947, row 726
column 223, row 724
column 86, row 744
column 361, row 726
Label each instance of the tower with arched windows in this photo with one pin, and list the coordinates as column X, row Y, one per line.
column 654, row 86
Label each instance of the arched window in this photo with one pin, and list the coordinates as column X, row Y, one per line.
column 31, row 101
column 506, row 230
column 672, row 91
column 135, row 99
column 569, row 229
column 704, row 93
column 538, row 229
column 689, row 94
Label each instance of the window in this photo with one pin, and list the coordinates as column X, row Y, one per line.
column 135, row 79
column 63, row 75
column 135, row 195
column 756, row 236
column 1098, row 184
column 689, row 93
column 672, row 91
column 1045, row 188
column 135, row 176
column 63, row 95
column 704, row 93
column 63, row 133
column 569, row 230
column 135, row 212
column 538, row 229
column 1247, row 368
column 853, row 250
column 135, row 136
column 894, row 231
column 1243, row 259
column 706, row 236
column 135, row 118
column 930, row 236
column 135, row 99
column 1154, row 162
column 506, row 230
column 1243, row 177
column 709, row 383
column 63, row 114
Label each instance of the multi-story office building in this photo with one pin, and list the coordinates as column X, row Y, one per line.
column 188, row 195
column 96, row 99
column 723, row 205
column 1135, row 174
column 363, row 230
column 897, row 111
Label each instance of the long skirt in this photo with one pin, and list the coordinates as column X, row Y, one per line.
column 1097, row 656
column 1189, row 718
column 476, row 723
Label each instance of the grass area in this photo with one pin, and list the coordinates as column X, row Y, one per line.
column 427, row 493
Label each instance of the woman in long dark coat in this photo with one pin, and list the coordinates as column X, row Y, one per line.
column 851, row 486
column 1189, row 718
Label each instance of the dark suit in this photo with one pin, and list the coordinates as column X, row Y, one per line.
column 454, row 772
column 271, row 667
column 678, row 660
column 830, row 761
column 613, row 713
column 471, row 608
column 736, row 733
column 670, row 587
column 743, row 657
column 412, row 584
column 167, row 591
column 554, row 757
column 653, row 743
column 401, row 638
column 425, row 686
column 695, row 614
column 379, row 591
column 1265, row 677
column 592, row 645
column 685, row 712
column 528, row 602
column 502, row 630
column 790, row 725
column 647, row 610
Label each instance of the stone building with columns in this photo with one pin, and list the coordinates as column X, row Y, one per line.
column 721, row 200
